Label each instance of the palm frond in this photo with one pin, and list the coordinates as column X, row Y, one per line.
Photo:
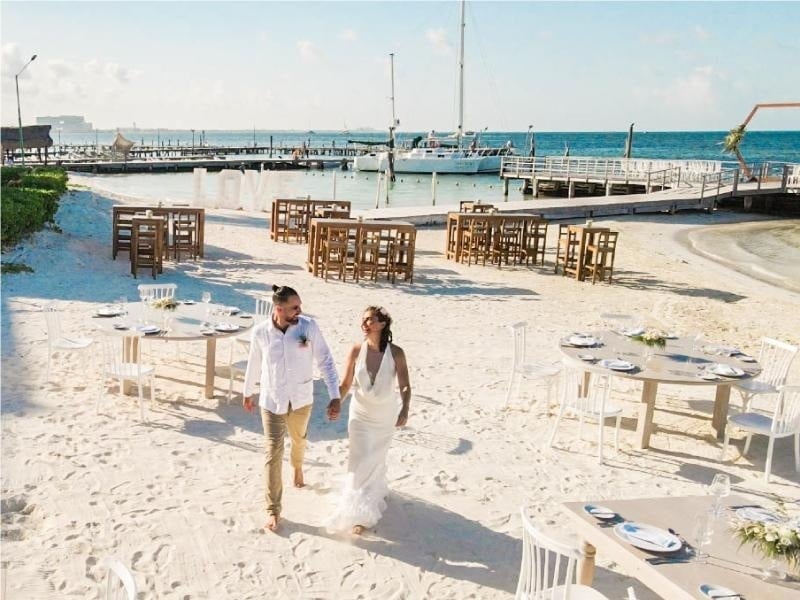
column 733, row 140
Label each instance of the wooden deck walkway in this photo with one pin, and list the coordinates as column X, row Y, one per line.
column 211, row 164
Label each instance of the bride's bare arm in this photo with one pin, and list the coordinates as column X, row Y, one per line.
column 335, row 406
column 402, row 381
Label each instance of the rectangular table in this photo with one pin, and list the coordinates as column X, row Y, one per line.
column 729, row 564
column 122, row 213
column 456, row 225
column 396, row 228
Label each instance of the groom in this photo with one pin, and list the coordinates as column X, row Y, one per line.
column 282, row 352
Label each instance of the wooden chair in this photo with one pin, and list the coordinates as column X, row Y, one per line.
column 185, row 235
column 402, row 256
column 506, row 242
column 368, row 254
column 475, row 241
column 296, row 221
column 563, row 248
column 121, row 231
column 335, row 251
column 535, row 241
column 147, row 249
column 600, row 255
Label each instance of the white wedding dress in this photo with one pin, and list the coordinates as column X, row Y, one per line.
column 373, row 416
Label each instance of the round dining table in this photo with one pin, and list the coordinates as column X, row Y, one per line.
column 189, row 321
column 677, row 363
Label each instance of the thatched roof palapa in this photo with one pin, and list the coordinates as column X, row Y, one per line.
column 33, row 136
column 120, row 144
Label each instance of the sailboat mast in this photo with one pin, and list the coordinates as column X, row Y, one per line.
column 460, row 132
column 391, row 64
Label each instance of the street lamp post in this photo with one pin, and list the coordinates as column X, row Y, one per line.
column 19, row 111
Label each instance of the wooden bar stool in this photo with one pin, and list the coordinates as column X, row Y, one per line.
column 147, row 245
column 600, row 255
column 335, row 251
column 402, row 256
column 507, row 241
column 567, row 249
column 121, row 228
column 475, row 241
column 368, row 254
column 535, row 241
column 185, row 235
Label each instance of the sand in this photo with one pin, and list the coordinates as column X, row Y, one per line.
column 179, row 498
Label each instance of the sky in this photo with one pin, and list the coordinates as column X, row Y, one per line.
column 559, row 66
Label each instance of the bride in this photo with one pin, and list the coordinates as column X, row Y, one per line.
column 373, row 366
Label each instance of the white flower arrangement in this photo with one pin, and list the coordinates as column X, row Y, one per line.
column 652, row 337
column 165, row 304
column 775, row 540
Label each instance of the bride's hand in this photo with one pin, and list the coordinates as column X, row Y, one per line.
column 334, row 408
column 402, row 418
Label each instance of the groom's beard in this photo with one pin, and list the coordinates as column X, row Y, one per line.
column 294, row 320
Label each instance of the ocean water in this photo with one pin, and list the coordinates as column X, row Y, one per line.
column 758, row 146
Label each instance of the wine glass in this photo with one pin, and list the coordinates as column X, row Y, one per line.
column 720, row 488
column 697, row 347
column 205, row 297
column 701, row 532
column 123, row 305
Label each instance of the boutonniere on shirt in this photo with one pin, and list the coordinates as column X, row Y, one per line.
column 302, row 339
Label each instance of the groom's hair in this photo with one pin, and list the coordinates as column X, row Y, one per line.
column 282, row 293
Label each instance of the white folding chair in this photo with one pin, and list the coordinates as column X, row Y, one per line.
column 521, row 370
column 114, row 365
column 57, row 342
column 120, row 584
column 549, row 568
column 783, row 422
column 156, row 291
column 263, row 308
column 592, row 403
column 775, row 358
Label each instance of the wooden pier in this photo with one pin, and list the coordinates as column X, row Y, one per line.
column 211, row 164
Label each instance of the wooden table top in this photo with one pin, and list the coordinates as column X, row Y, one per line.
column 729, row 564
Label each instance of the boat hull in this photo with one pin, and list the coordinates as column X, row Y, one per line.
column 464, row 165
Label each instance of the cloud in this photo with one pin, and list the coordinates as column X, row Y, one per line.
column 13, row 61
column 307, row 50
column 116, row 72
column 701, row 33
column 438, row 39
column 693, row 93
column 60, row 68
column 348, row 35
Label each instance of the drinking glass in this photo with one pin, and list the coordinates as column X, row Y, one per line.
column 123, row 305
column 697, row 347
column 701, row 532
column 720, row 488
column 206, row 299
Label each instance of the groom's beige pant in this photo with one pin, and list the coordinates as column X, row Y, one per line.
column 275, row 426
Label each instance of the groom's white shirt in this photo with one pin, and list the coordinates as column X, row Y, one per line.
column 283, row 364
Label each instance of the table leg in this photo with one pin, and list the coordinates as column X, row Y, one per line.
column 644, row 425
column 586, row 564
column 211, row 363
column 720, row 418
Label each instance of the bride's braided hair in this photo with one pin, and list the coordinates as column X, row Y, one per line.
column 383, row 317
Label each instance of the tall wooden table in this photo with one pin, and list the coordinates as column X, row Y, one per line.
column 121, row 213
column 456, row 224
column 279, row 215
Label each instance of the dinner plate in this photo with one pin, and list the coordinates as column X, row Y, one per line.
column 189, row 302
column 148, row 329
column 587, row 357
column 227, row 327
column 120, row 326
column 709, row 376
column 726, row 370
column 582, row 341
column 600, row 512
column 746, row 358
column 231, row 310
column 617, row 365
column 108, row 312
column 647, row 537
column 717, row 591
column 755, row 513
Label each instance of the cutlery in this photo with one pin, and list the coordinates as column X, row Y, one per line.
column 666, row 560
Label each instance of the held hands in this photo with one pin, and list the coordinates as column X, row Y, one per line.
column 248, row 403
column 402, row 418
column 334, row 408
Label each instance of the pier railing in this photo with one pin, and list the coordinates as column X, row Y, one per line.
column 763, row 176
column 618, row 170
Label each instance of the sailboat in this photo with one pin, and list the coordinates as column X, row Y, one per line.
column 437, row 154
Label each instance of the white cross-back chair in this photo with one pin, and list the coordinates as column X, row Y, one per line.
column 593, row 404
column 57, row 342
column 120, row 584
column 783, row 422
column 549, row 568
column 775, row 359
column 527, row 370
column 263, row 310
column 123, row 367
column 156, row 291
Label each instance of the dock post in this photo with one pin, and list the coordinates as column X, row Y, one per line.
column 571, row 190
column 433, row 189
column 748, row 203
column 505, row 186
column 608, row 188
column 535, row 188
column 526, row 186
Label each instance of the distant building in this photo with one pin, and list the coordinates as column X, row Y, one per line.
column 66, row 123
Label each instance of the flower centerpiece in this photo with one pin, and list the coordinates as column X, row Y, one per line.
column 165, row 304
column 652, row 337
column 775, row 540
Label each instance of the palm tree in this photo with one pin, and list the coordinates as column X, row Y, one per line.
column 731, row 145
